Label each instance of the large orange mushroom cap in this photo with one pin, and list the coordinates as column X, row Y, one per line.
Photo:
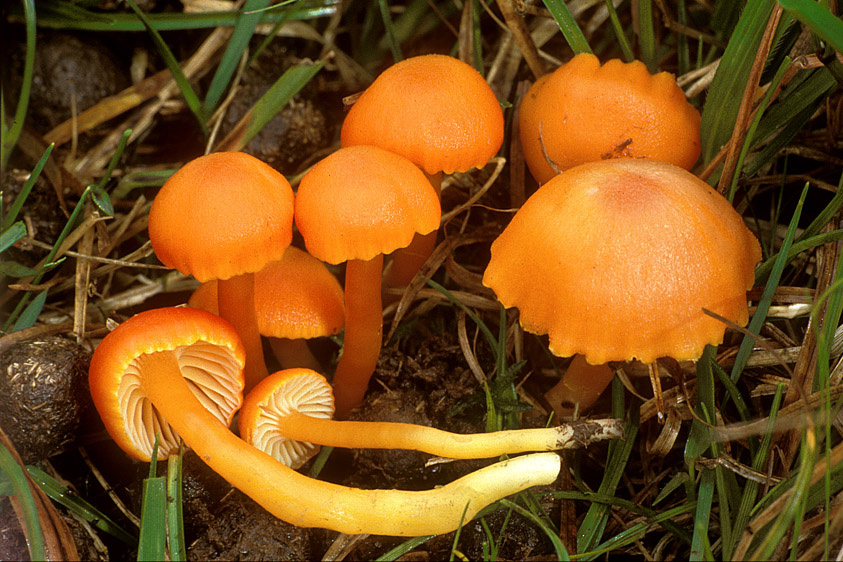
column 362, row 201
column 222, row 215
column 585, row 112
column 211, row 357
column 616, row 260
column 434, row 110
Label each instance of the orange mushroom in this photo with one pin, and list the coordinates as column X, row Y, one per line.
column 617, row 259
column 439, row 113
column 288, row 415
column 296, row 299
column 584, row 112
column 162, row 371
column 225, row 216
column 354, row 206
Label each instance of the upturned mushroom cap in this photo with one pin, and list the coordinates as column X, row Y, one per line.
column 221, row 215
column 296, row 297
column 617, row 259
column 292, row 390
column 435, row 110
column 211, row 357
column 363, row 201
column 585, row 112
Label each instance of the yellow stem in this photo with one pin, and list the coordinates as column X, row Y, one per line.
column 306, row 502
column 236, row 297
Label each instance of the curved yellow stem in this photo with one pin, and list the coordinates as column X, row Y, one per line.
column 307, row 502
column 236, row 298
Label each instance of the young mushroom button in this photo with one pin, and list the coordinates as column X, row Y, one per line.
column 354, row 206
column 147, row 373
column 585, row 112
column 439, row 113
column 618, row 259
column 225, row 216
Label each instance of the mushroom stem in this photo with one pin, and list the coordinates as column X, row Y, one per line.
column 406, row 262
column 363, row 333
column 388, row 435
column 307, row 502
column 236, row 298
column 294, row 353
column 580, row 387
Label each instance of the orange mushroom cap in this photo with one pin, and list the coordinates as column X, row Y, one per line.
column 435, row 110
column 211, row 356
column 222, row 215
column 363, row 201
column 296, row 297
column 584, row 112
column 617, row 259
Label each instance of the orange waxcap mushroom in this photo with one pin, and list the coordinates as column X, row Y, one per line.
column 296, row 298
column 151, row 370
column 289, row 414
column 208, row 352
column 585, row 112
column 439, row 113
column 225, row 216
column 355, row 205
column 617, row 260
column 222, row 215
column 434, row 110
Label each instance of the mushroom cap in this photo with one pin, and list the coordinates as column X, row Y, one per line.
column 296, row 297
column 291, row 390
column 584, row 112
column 362, row 201
column 211, row 356
column 435, row 110
column 616, row 260
column 221, row 215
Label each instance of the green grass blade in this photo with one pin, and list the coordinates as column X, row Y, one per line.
column 11, row 134
column 620, row 35
column 727, row 88
column 17, row 478
column 17, row 205
column 751, row 487
column 389, row 31
column 182, row 82
column 60, row 494
column 591, row 529
column 11, row 235
column 769, row 290
column 647, row 36
column 403, row 548
column 818, row 19
column 175, row 515
column 281, row 92
column 153, row 530
column 637, row 531
column 753, row 126
column 568, row 26
column 60, row 14
column 30, row 314
column 247, row 21
column 700, row 545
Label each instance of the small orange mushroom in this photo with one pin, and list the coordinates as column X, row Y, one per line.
column 296, row 299
column 439, row 113
column 618, row 259
column 585, row 112
column 354, row 206
column 289, row 414
column 160, row 373
column 225, row 216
